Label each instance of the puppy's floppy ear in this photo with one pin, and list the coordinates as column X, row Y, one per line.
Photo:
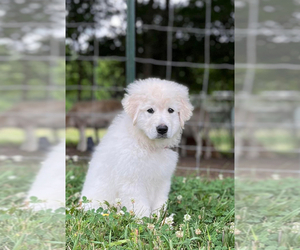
column 185, row 108
column 131, row 105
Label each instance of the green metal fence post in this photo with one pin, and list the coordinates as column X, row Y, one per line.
column 130, row 42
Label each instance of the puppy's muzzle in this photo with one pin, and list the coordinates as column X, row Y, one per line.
column 162, row 130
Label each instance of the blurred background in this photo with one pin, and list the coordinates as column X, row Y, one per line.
column 267, row 131
column 32, row 121
column 32, row 72
column 267, row 89
column 187, row 41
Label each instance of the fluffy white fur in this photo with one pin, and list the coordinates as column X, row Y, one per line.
column 133, row 161
column 49, row 185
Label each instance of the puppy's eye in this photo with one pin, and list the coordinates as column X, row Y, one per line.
column 170, row 110
column 151, row 111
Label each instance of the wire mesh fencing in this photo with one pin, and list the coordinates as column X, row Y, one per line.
column 213, row 118
column 41, row 65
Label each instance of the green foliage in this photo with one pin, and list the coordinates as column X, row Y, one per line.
column 109, row 76
column 34, row 74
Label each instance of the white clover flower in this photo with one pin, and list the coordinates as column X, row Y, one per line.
column 132, row 200
column 17, row 158
column 187, row 217
column 3, row 157
column 276, row 177
column 67, row 157
column 296, row 228
column 169, row 220
column 150, row 226
column 172, row 215
column 179, row 234
column 197, row 231
column 11, row 177
column 120, row 213
column 77, row 195
column 237, row 232
column 72, row 177
column 20, row 195
column 118, row 200
column 184, row 180
column 179, row 197
column 231, row 227
column 139, row 221
column 75, row 158
column 220, row 176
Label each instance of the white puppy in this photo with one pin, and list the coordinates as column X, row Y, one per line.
column 134, row 159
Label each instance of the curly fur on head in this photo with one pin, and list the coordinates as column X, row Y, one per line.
column 159, row 95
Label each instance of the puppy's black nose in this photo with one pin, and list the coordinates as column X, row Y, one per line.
column 162, row 129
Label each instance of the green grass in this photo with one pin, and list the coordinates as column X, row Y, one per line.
column 268, row 214
column 210, row 203
column 16, row 136
column 22, row 228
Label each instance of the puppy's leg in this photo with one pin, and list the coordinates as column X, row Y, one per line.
column 161, row 198
column 92, row 204
column 134, row 197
